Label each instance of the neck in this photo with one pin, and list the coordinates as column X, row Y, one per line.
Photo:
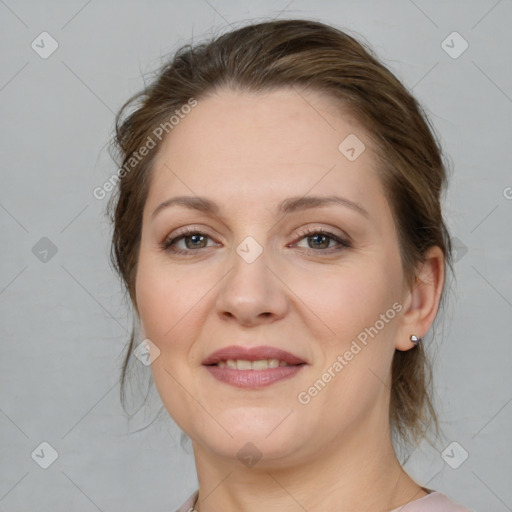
column 359, row 471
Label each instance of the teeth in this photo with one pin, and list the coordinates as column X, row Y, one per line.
column 262, row 364
column 243, row 364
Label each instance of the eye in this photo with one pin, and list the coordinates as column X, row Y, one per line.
column 318, row 241
column 193, row 239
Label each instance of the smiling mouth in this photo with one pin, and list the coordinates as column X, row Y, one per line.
column 260, row 364
column 253, row 367
column 256, row 374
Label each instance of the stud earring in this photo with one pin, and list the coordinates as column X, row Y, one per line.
column 415, row 339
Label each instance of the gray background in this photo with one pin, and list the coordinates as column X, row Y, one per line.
column 64, row 323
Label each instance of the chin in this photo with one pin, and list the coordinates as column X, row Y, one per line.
column 259, row 454
column 258, row 439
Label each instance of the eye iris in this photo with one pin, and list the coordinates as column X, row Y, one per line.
column 190, row 237
column 326, row 238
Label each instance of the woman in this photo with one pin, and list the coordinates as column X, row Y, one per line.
column 279, row 231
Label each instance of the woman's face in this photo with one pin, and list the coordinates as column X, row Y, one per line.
column 257, row 276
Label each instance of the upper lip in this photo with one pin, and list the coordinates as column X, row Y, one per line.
column 252, row 354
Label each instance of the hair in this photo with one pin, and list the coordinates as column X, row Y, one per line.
column 312, row 56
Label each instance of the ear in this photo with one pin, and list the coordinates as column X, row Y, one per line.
column 421, row 301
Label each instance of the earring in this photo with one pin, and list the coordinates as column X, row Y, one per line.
column 415, row 339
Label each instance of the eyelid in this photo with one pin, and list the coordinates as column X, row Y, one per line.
column 315, row 228
column 300, row 231
column 188, row 229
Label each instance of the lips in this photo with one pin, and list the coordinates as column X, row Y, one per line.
column 253, row 368
column 252, row 354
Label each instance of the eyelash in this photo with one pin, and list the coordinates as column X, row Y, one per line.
column 166, row 244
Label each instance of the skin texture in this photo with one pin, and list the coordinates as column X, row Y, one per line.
column 248, row 152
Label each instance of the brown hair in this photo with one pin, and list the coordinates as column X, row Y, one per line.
column 309, row 55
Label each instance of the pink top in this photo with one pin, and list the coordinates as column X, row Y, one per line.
column 433, row 502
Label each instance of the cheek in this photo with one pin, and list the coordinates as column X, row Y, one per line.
column 353, row 376
column 351, row 302
column 173, row 303
column 166, row 298
column 360, row 309
column 153, row 301
column 169, row 305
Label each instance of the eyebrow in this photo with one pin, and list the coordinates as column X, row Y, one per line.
column 289, row 205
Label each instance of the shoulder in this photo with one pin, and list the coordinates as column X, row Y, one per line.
column 433, row 502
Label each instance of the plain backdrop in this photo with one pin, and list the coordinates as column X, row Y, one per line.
column 64, row 324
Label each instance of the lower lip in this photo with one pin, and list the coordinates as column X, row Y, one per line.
column 253, row 379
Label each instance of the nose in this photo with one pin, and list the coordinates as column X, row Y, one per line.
column 251, row 292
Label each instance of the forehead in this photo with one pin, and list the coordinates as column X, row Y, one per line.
column 244, row 146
